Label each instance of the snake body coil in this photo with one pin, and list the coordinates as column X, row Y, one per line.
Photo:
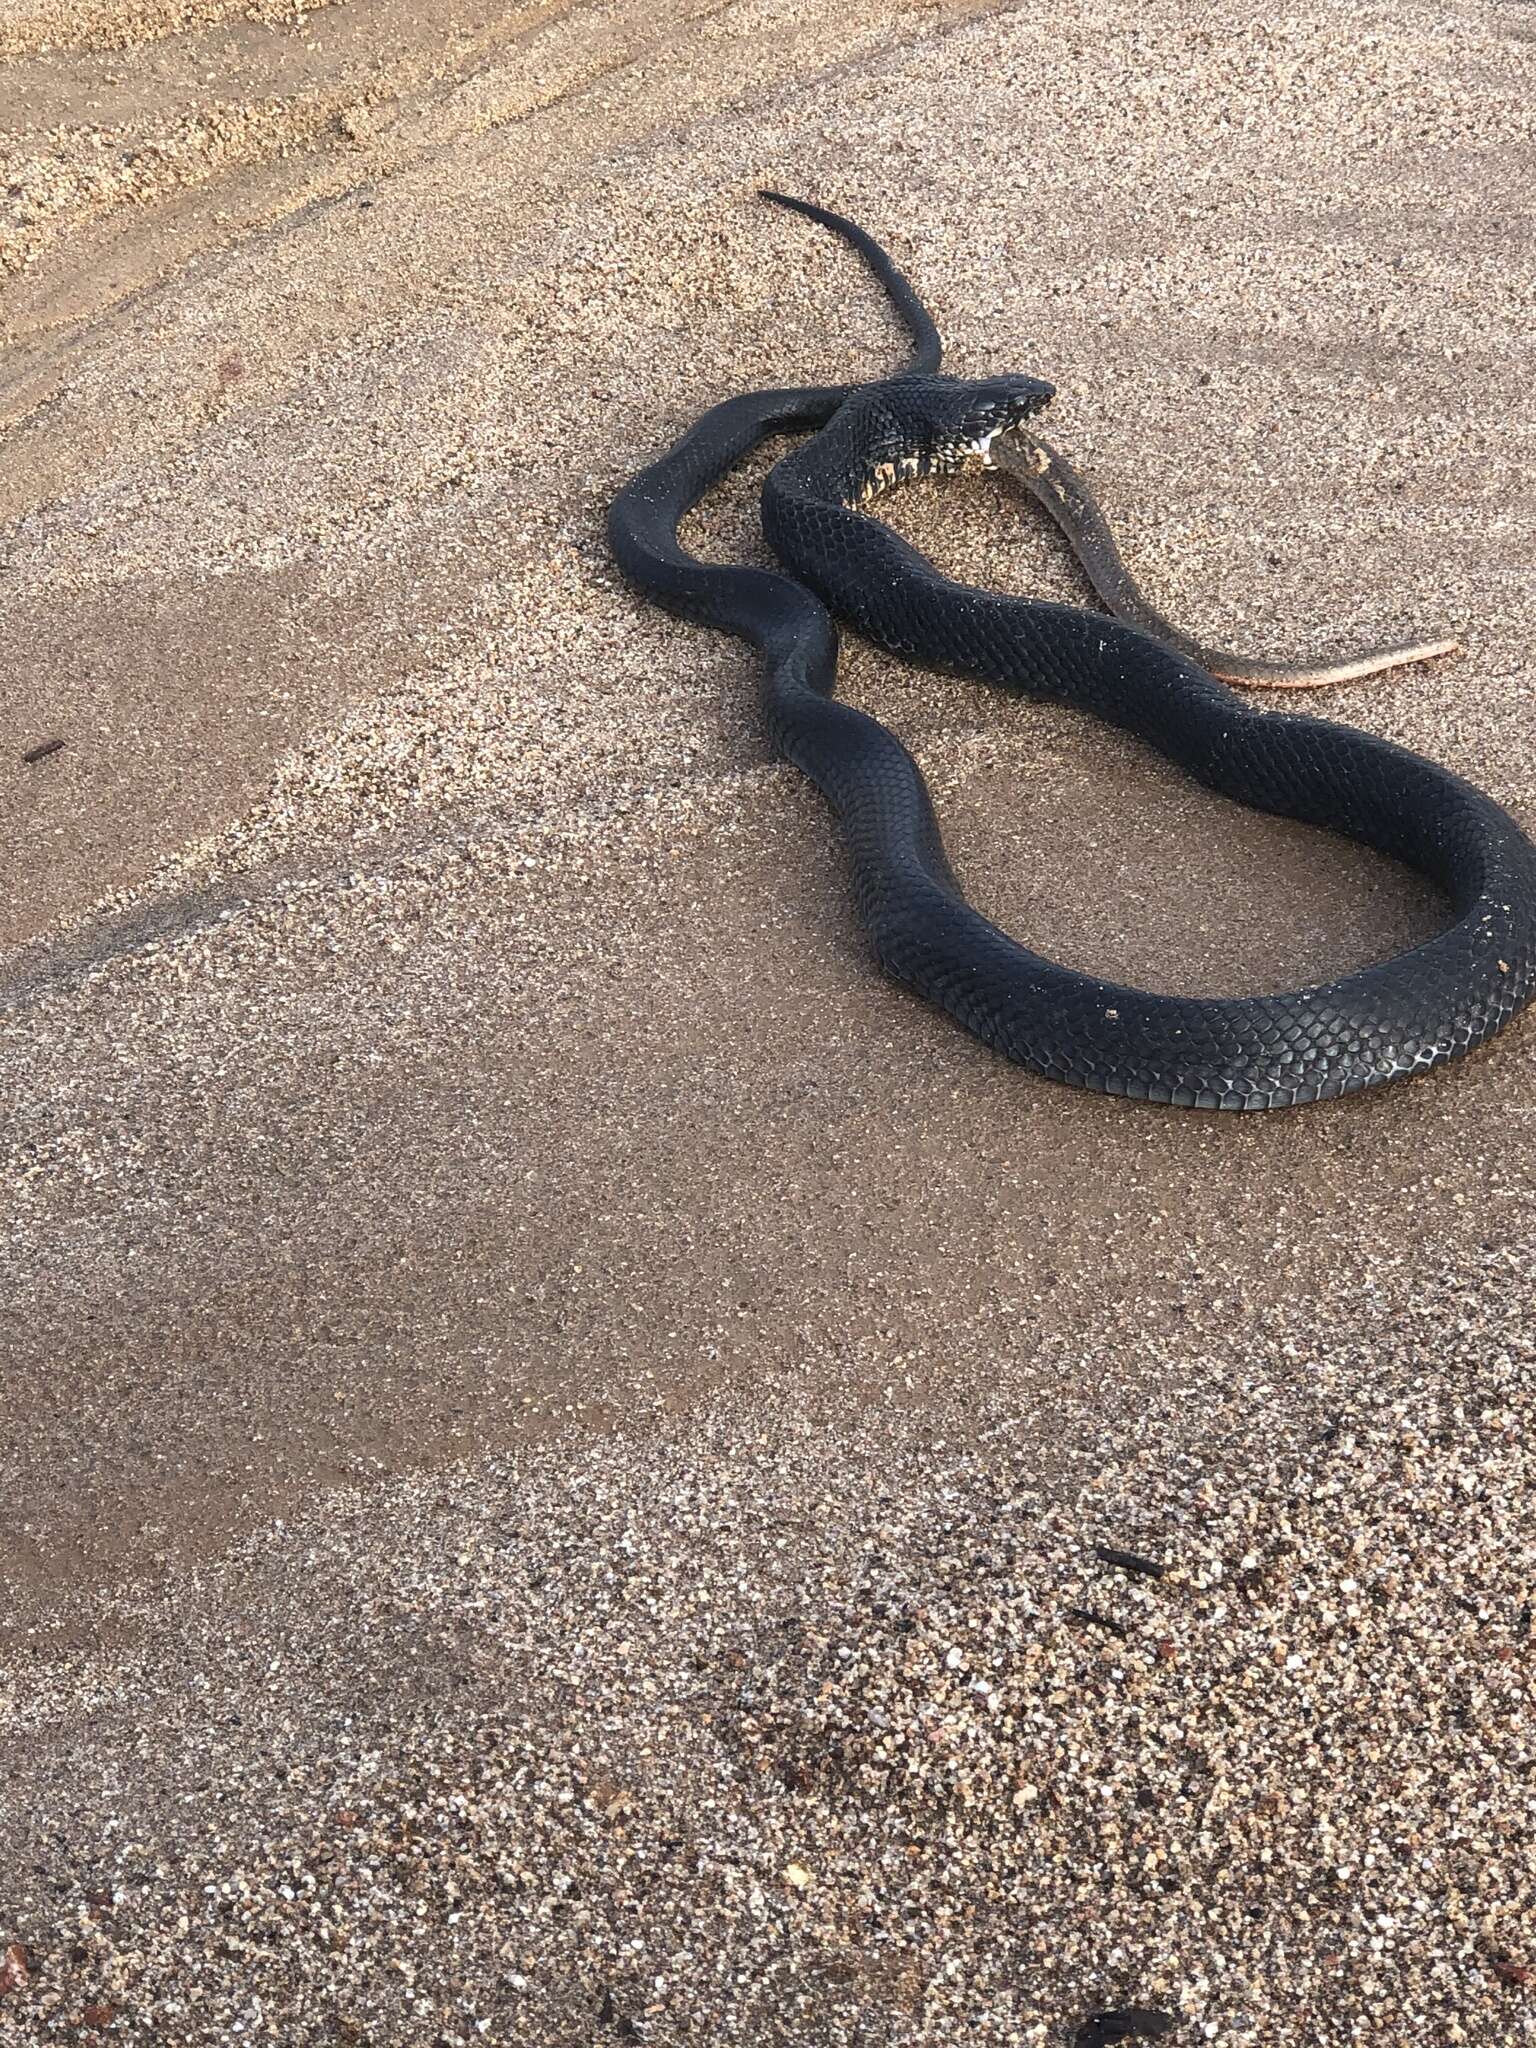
column 1255, row 1052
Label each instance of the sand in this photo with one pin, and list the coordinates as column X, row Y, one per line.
column 525, row 1359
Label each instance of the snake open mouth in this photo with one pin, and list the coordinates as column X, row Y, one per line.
column 937, row 425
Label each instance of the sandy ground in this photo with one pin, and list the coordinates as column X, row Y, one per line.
column 559, row 1432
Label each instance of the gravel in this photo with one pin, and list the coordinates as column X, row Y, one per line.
column 840, row 1727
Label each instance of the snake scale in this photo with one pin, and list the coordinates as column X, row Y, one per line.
column 1397, row 1017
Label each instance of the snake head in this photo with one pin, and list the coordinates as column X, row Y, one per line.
column 930, row 426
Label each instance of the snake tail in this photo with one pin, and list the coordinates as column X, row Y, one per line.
column 1063, row 491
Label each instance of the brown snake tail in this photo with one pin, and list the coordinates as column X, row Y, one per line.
column 1048, row 477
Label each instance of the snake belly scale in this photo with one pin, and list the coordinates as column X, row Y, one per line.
column 1394, row 1018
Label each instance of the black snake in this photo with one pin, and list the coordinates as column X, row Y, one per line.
column 1249, row 1052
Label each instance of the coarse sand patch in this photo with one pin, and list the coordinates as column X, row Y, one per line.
column 833, row 1727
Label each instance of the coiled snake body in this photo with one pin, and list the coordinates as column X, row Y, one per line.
column 1252, row 1052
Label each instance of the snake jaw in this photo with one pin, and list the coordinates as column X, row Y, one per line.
column 986, row 408
column 930, row 426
